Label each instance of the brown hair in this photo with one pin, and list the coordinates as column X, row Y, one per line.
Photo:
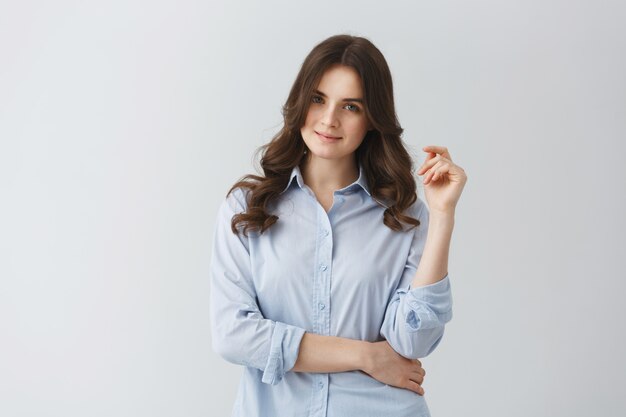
column 387, row 164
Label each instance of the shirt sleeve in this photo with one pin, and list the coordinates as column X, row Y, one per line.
column 240, row 333
column 415, row 317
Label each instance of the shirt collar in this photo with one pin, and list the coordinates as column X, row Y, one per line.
column 360, row 182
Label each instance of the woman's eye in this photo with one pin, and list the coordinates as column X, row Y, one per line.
column 351, row 107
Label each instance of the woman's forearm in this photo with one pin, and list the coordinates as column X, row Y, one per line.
column 326, row 354
column 433, row 265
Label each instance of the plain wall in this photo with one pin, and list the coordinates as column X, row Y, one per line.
column 124, row 123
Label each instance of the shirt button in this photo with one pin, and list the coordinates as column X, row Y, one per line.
column 323, row 267
column 320, row 384
column 322, row 306
column 325, row 232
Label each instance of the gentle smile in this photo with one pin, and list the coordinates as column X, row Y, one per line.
column 323, row 136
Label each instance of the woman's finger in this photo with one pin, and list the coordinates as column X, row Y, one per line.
column 429, row 176
column 415, row 387
column 432, row 161
column 417, row 368
column 437, row 170
column 440, row 170
column 420, row 371
column 441, row 150
column 417, row 377
column 429, row 163
column 429, row 157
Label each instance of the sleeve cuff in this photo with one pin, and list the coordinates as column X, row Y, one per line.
column 428, row 306
column 284, row 348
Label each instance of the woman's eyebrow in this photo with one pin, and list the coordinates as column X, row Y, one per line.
column 358, row 100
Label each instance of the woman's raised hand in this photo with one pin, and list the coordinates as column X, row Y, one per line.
column 443, row 179
column 391, row 368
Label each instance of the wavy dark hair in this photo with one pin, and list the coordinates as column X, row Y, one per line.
column 387, row 165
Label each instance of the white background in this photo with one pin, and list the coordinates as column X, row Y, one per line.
column 124, row 123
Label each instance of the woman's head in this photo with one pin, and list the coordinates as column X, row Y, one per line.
column 347, row 67
column 370, row 67
column 336, row 123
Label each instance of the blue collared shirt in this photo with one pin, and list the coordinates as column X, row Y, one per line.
column 340, row 273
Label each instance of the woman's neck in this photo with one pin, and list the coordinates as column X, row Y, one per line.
column 328, row 175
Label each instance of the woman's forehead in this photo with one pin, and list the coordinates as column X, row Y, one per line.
column 340, row 81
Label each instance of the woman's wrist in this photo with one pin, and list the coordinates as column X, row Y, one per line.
column 320, row 353
column 441, row 216
column 361, row 354
column 365, row 356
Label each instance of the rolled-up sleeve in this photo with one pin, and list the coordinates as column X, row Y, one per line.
column 415, row 317
column 240, row 333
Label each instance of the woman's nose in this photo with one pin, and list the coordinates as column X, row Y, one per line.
column 329, row 118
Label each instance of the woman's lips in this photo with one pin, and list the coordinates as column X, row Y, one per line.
column 327, row 138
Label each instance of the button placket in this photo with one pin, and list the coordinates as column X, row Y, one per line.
column 323, row 262
column 326, row 248
column 321, row 300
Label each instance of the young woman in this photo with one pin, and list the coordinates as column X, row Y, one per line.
column 329, row 275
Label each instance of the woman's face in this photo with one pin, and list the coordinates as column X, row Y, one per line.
column 336, row 123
